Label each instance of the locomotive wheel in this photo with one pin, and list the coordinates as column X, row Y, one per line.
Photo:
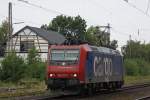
column 90, row 89
column 111, row 86
column 118, row 85
column 82, row 90
column 114, row 86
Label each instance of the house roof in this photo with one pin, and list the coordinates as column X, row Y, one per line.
column 51, row 36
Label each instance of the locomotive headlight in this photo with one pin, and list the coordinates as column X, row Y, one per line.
column 63, row 63
column 74, row 75
column 50, row 75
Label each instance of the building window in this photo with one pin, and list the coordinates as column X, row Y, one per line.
column 26, row 45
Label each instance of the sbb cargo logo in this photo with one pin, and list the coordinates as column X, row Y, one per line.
column 102, row 66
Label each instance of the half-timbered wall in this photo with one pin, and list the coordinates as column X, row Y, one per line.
column 20, row 40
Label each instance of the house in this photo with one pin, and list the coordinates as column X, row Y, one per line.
column 29, row 37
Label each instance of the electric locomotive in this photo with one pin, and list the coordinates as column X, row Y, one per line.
column 84, row 67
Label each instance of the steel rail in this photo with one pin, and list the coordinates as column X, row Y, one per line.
column 144, row 98
column 135, row 86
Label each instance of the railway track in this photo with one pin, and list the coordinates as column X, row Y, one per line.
column 68, row 97
column 134, row 86
column 144, row 98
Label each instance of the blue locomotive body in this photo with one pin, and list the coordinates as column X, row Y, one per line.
column 104, row 66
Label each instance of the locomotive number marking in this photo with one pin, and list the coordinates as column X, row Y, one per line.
column 102, row 66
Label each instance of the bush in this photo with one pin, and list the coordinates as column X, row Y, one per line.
column 33, row 56
column 40, row 71
column 137, row 67
column 131, row 67
column 35, row 68
column 12, row 68
column 144, row 68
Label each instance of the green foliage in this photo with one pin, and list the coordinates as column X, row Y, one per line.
column 132, row 80
column 70, row 27
column 15, row 68
column 136, row 67
column 74, row 29
column 3, row 31
column 135, row 49
column 33, row 56
column 144, row 67
column 97, row 37
column 138, row 53
column 36, row 70
column 131, row 67
column 12, row 68
column 35, row 67
column 91, row 36
column 3, row 37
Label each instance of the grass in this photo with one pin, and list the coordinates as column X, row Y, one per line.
column 23, row 88
column 131, row 80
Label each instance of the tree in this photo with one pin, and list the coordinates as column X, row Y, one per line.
column 33, row 56
column 90, row 36
column 133, row 49
column 3, row 36
column 13, row 68
column 137, row 57
column 35, row 68
column 136, row 49
column 73, row 28
column 96, row 36
column 44, row 26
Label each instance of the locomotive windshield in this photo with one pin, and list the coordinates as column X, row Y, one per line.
column 65, row 56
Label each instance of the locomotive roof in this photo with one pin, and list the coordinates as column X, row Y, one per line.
column 105, row 50
column 89, row 48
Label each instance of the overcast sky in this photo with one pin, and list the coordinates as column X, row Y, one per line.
column 123, row 18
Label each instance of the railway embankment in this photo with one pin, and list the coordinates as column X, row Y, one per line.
column 23, row 88
column 31, row 88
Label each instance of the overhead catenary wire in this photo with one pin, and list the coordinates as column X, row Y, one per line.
column 121, row 33
column 54, row 11
column 138, row 9
column 43, row 8
column 114, row 29
column 31, row 22
column 49, row 10
column 95, row 3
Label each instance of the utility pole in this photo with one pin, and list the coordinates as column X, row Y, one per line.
column 138, row 34
column 10, row 40
column 107, row 33
column 147, row 7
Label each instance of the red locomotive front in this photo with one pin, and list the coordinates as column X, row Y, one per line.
column 65, row 66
